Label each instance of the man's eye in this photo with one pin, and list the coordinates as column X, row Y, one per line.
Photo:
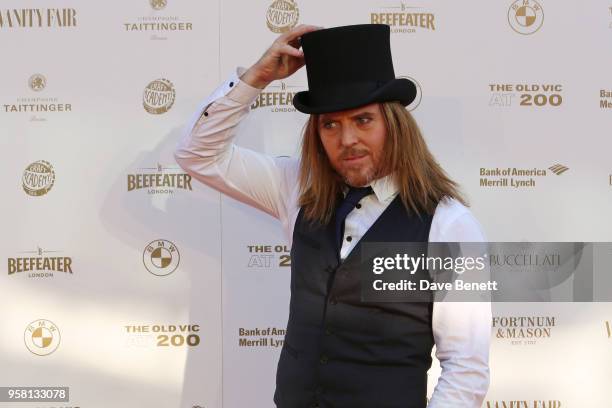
column 328, row 125
column 364, row 120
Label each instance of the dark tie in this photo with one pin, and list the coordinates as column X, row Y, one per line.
column 354, row 195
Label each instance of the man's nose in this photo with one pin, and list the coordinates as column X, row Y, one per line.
column 348, row 137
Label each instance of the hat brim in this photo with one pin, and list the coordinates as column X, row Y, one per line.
column 402, row 90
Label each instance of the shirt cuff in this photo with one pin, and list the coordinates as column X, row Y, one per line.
column 241, row 92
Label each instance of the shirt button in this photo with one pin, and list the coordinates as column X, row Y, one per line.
column 231, row 84
column 349, row 238
column 319, row 390
column 358, row 206
column 328, row 331
column 333, row 301
column 323, row 359
column 205, row 113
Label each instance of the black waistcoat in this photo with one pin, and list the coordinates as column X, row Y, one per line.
column 341, row 352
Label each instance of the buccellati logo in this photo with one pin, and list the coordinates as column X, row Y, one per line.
column 42, row 337
column 158, row 96
column 37, row 82
column 161, row 257
column 525, row 16
column 282, row 15
column 38, row 178
column 158, row 4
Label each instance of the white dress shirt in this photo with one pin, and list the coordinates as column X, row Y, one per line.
column 206, row 151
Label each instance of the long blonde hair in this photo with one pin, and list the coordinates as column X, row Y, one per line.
column 421, row 181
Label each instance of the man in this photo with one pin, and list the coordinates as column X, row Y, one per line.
column 365, row 175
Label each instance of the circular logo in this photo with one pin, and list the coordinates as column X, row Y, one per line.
column 38, row 178
column 42, row 337
column 525, row 16
column 158, row 4
column 37, row 82
column 419, row 94
column 158, row 96
column 161, row 257
column 282, row 16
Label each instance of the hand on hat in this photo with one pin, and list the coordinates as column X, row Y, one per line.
column 281, row 60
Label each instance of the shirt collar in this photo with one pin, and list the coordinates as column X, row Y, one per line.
column 384, row 187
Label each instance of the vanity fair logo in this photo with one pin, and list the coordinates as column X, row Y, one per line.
column 161, row 257
column 282, row 16
column 160, row 24
column 39, row 264
column 42, row 337
column 38, row 178
column 514, row 177
column 37, row 18
column 525, row 404
column 158, row 96
column 36, row 104
column 159, row 180
column 405, row 19
column 525, row 16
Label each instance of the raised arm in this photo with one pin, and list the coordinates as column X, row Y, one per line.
column 207, row 152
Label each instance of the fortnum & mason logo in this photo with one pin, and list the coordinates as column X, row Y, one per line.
column 38, row 178
column 158, row 96
column 161, row 257
column 42, row 337
column 525, row 16
column 404, row 19
column 523, row 330
column 282, row 16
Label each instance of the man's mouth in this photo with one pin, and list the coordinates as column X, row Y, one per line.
column 354, row 158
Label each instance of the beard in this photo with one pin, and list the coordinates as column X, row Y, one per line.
column 358, row 174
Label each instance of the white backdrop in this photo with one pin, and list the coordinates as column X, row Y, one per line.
column 171, row 287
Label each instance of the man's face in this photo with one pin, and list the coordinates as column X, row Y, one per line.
column 353, row 140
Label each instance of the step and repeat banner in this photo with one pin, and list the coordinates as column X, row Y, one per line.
column 134, row 285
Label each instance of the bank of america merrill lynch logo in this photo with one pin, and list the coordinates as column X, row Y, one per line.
column 558, row 169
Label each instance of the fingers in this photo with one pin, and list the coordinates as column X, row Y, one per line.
column 288, row 49
column 298, row 31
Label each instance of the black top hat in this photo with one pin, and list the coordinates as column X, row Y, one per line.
column 350, row 66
